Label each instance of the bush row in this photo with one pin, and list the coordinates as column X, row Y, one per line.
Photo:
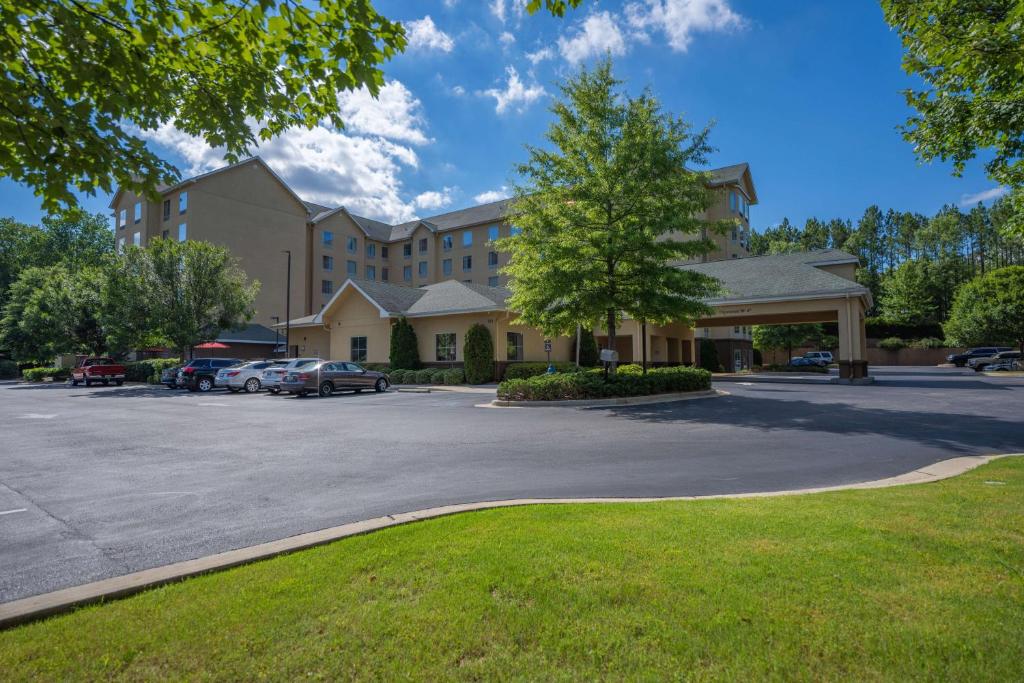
column 37, row 374
column 449, row 376
column 524, row 370
column 896, row 343
column 145, row 370
column 592, row 384
column 8, row 369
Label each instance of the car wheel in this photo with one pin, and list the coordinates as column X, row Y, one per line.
column 119, row 382
column 381, row 385
column 301, row 394
column 252, row 385
column 204, row 384
column 326, row 389
column 88, row 382
column 74, row 382
column 274, row 390
column 106, row 382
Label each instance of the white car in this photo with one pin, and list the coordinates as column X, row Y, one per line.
column 245, row 375
column 272, row 376
column 819, row 358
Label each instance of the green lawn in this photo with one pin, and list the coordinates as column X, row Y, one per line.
column 920, row 582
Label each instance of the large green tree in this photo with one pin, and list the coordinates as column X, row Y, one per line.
column 989, row 309
column 181, row 292
column 907, row 295
column 970, row 55
column 771, row 337
column 605, row 210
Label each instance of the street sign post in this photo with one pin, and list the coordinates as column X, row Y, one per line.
column 547, row 350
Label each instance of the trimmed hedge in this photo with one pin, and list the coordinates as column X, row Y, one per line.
column 378, row 367
column 438, row 376
column 37, row 374
column 478, row 355
column 892, row 343
column 525, row 370
column 8, row 369
column 405, row 350
column 397, row 376
column 454, row 376
column 145, row 370
column 592, row 384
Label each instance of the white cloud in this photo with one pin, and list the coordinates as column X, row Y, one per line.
column 598, row 34
column 358, row 167
column 491, row 195
column 424, row 35
column 433, row 199
column 499, row 8
column 506, row 38
column 450, row 3
column 679, row 19
column 515, row 94
column 983, row 196
column 540, row 55
column 458, row 90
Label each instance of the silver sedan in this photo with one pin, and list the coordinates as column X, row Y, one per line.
column 272, row 376
column 245, row 376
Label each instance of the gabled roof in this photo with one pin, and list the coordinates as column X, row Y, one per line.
column 780, row 276
column 738, row 174
column 250, row 334
column 448, row 297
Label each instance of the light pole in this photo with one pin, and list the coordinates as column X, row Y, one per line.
column 288, row 308
column 277, row 332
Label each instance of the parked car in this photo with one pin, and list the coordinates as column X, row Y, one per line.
column 961, row 359
column 1006, row 364
column 246, row 375
column 97, row 369
column 819, row 358
column 800, row 361
column 987, row 362
column 272, row 376
column 199, row 373
column 327, row 377
column 169, row 376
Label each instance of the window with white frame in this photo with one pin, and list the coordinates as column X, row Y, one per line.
column 352, row 245
column 492, row 259
column 327, row 238
column 182, row 232
column 467, row 263
column 122, row 218
column 492, row 281
column 493, row 233
column 467, row 238
column 407, row 250
column 120, row 245
column 445, row 344
column 513, row 346
column 137, row 213
column 423, row 245
column 407, row 273
column 352, row 268
column 328, row 262
column 167, row 210
column 422, row 268
column 357, row 353
column 371, row 272
column 183, row 202
column 371, row 251
column 327, row 287
column 446, row 242
column 384, row 274
column 137, row 239
column 446, row 266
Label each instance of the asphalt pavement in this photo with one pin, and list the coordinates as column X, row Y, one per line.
column 101, row 481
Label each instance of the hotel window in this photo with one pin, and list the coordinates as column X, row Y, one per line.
column 445, row 343
column 514, row 346
column 732, row 201
column 358, row 350
column 383, row 274
column 120, row 245
column 122, row 218
column 423, row 245
column 407, row 273
column 371, row 272
column 137, row 213
column 352, row 268
column 736, row 329
column 327, row 238
column 446, row 266
column 492, row 259
column 183, row 202
column 327, row 287
column 734, row 234
column 467, row 238
column 167, row 209
column 352, row 245
column 165, row 234
column 383, row 252
column 328, row 262
column 137, row 239
column 516, row 230
column 371, row 251
column 182, row 232
column 467, row 263
column 492, row 281
column 423, row 268
column 407, row 250
column 446, row 242
column 492, row 233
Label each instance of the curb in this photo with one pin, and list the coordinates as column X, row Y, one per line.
column 819, row 379
column 64, row 600
column 620, row 401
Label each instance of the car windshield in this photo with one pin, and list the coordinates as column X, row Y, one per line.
column 305, row 362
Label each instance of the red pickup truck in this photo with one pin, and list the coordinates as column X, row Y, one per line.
column 90, row 370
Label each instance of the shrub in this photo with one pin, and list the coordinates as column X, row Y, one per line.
column 758, row 358
column 892, row 343
column 8, row 369
column 589, row 356
column 424, row 376
column 143, row 370
column 928, row 343
column 398, row 376
column 405, row 351
column 629, row 369
column 709, row 356
column 589, row 385
column 437, row 377
column 524, row 370
column 454, row 376
column 37, row 374
column 377, row 367
column 478, row 355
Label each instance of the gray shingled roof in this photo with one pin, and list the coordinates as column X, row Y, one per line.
column 452, row 296
column 781, row 275
column 250, row 334
column 394, row 299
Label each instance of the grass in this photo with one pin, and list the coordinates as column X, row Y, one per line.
column 919, row 582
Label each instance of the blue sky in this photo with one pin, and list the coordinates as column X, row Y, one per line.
column 807, row 92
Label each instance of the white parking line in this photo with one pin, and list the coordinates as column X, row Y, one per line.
column 11, row 512
column 37, row 416
column 222, row 405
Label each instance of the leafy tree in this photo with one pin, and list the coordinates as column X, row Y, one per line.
column 478, row 355
column 54, row 311
column 989, row 309
column 589, row 355
column 709, row 356
column 770, row 337
column 602, row 212
column 405, row 350
column 906, row 295
column 15, row 239
column 970, row 56
column 183, row 292
column 81, row 77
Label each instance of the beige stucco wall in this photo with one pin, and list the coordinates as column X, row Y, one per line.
column 353, row 316
column 311, row 341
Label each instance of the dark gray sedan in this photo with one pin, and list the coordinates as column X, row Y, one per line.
column 327, row 377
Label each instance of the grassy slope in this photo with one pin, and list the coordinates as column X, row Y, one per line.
column 913, row 582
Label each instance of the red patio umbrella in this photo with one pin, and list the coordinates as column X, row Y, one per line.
column 212, row 345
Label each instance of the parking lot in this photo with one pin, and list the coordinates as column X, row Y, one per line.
column 101, row 481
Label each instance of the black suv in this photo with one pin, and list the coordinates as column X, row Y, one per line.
column 198, row 373
column 960, row 359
